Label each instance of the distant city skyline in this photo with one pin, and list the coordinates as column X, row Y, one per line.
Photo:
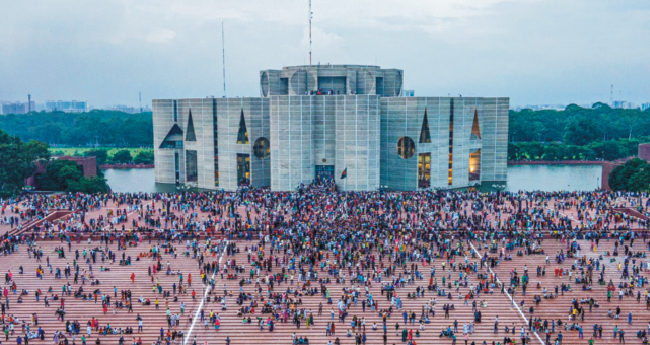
column 67, row 106
column 533, row 51
column 615, row 104
column 17, row 107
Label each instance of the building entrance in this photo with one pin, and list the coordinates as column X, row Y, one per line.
column 324, row 172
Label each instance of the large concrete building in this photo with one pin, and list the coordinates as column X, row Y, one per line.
column 319, row 121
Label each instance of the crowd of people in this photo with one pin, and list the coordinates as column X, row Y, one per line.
column 319, row 242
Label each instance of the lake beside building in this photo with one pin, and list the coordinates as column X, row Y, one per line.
column 520, row 177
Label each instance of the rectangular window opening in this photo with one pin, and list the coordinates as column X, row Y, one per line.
column 243, row 169
column 424, row 170
column 191, row 165
column 475, row 165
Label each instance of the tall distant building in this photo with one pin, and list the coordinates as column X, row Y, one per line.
column 14, row 108
column 645, row 106
column 623, row 105
column 66, row 106
column 330, row 122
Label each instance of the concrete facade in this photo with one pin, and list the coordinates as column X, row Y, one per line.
column 317, row 121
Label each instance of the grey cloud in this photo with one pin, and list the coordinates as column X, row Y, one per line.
column 544, row 51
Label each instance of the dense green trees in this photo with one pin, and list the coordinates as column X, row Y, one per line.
column 88, row 185
column 16, row 162
column 578, row 126
column 62, row 175
column 577, row 133
column 122, row 156
column 108, row 128
column 633, row 176
column 58, row 174
column 602, row 150
column 143, row 157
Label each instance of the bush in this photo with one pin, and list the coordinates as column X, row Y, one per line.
column 123, row 157
column 144, row 157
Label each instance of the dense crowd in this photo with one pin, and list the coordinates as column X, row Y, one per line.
column 319, row 241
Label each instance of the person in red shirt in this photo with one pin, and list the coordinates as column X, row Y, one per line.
column 132, row 277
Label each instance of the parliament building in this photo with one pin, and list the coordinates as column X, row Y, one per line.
column 315, row 122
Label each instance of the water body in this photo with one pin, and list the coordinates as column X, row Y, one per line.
column 520, row 177
column 135, row 180
column 553, row 177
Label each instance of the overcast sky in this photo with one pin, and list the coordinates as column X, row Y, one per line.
column 533, row 51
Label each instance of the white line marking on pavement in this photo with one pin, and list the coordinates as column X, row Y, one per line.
column 507, row 294
column 205, row 294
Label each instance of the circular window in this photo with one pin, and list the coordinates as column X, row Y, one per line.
column 261, row 148
column 405, row 147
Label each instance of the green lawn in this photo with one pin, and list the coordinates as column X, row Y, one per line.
column 79, row 151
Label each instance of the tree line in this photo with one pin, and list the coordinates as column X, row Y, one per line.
column 577, row 133
column 103, row 127
column 608, row 150
column 121, row 157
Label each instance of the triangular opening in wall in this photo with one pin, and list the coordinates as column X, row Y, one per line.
column 425, row 135
column 191, row 136
column 173, row 139
column 476, row 129
column 242, row 134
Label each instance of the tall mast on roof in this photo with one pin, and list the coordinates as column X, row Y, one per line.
column 223, row 59
column 310, row 13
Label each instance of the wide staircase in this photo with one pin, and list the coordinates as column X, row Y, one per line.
column 154, row 319
column 559, row 308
